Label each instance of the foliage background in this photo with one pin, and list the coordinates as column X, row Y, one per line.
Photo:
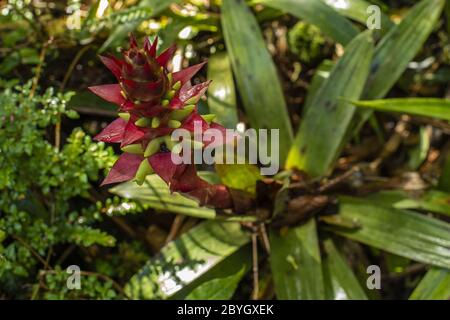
column 376, row 191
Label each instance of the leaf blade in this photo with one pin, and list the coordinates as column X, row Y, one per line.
column 186, row 259
column 428, row 107
column 121, row 32
column 155, row 194
column 318, row 13
column 327, row 119
column 357, row 10
column 296, row 263
column 405, row 39
column 239, row 176
column 431, row 200
column 247, row 51
column 435, row 285
column 401, row 232
column 344, row 284
column 221, row 91
column 217, row 288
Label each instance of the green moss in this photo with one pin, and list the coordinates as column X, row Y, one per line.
column 306, row 41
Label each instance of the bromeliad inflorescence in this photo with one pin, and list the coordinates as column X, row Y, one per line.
column 152, row 103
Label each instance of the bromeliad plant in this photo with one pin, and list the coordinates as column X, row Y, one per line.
column 153, row 102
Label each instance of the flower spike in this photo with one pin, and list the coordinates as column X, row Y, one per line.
column 153, row 102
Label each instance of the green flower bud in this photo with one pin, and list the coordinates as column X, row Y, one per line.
column 124, row 115
column 143, row 171
column 169, row 143
column 170, row 94
column 176, row 86
column 208, row 117
column 143, row 122
column 156, row 122
column 174, row 124
column 181, row 114
column 153, row 147
column 133, row 148
column 192, row 100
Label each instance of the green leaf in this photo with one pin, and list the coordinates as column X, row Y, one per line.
column 238, row 262
column 86, row 236
column 255, row 73
column 322, row 73
column 400, row 45
column 221, row 91
column 241, row 260
column 432, row 200
column 357, row 10
column 343, row 284
column 88, row 103
column 324, row 127
column 156, row 194
column 401, row 232
column 9, row 63
column 29, row 56
column 296, row 263
column 218, row 288
column 318, row 13
column 168, row 35
column 396, row 49
column 186, row 259
column 239, row 176
column 429, row 107
column 444, row 180
column 447, row 13
column 121, row 32
column 419, row 153
column 435, row 285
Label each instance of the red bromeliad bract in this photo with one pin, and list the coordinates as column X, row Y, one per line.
column 152, row 103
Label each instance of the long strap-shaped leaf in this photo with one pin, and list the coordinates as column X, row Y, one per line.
column 296, row 263
column 358, row 10
column 255, row 72
column 435, row 285
column 318, row 13
column 400, row 45
column 401, row 232
column 447, row 13
column 325, row 124
column 321, row 74
column 220, row 282
column 120, row 32
column 156, row 194
column 221, row 91
column 431, row 200
column 429, row 107
column 187, row 259
column 340, row 283
column 397, row 48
